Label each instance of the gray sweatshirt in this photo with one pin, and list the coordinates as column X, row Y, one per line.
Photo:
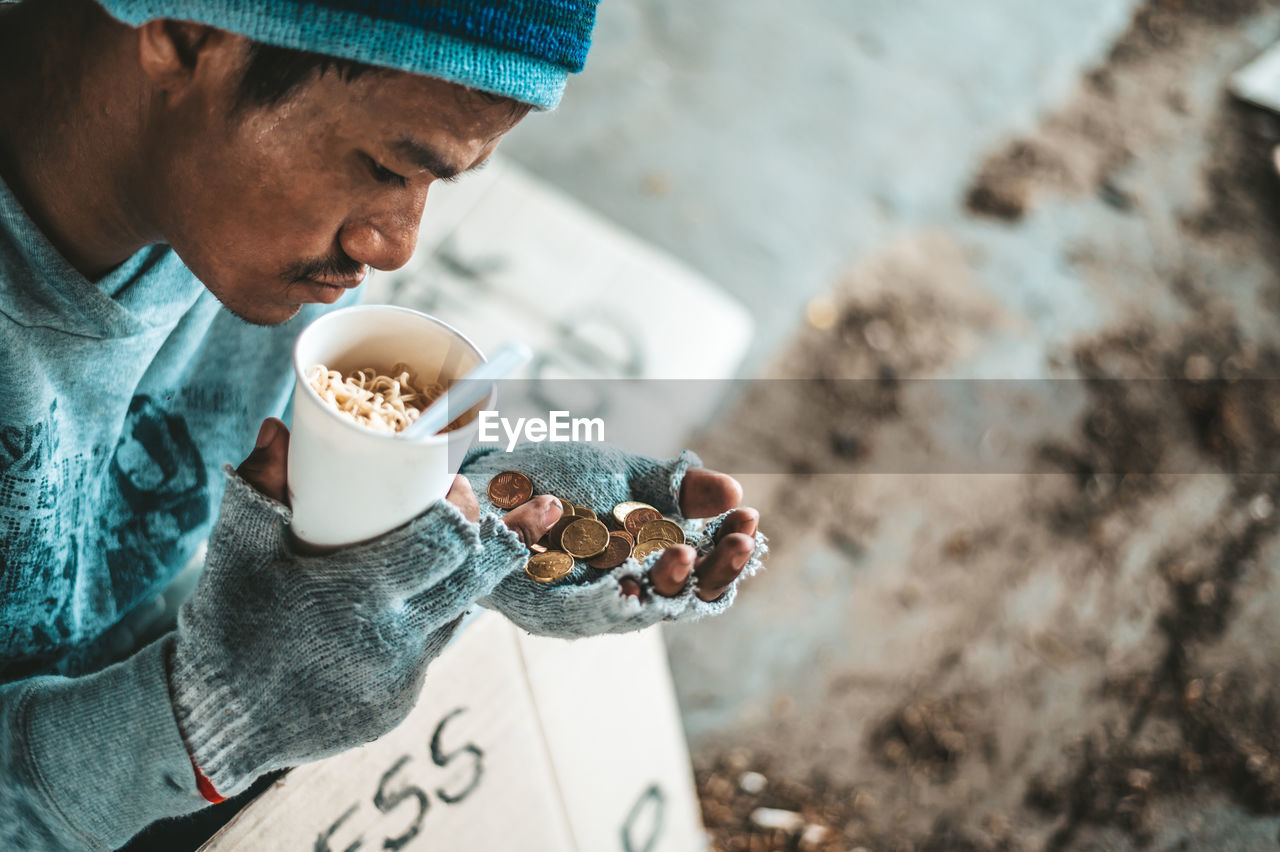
column 119, row 402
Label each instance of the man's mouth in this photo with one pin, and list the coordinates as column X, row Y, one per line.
column 345, row 282
column 329, row 290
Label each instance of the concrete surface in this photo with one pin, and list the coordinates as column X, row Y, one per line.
column 772, row 145
column 998, row 662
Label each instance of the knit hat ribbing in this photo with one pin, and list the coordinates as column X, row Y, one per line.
column 521, row 49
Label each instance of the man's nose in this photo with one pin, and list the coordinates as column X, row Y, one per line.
column 382, row 242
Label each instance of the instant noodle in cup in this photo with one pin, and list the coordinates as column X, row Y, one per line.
column 349, row 482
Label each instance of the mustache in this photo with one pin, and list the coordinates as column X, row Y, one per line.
column 336, row 266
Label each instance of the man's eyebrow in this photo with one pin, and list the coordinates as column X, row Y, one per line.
column 424, row 157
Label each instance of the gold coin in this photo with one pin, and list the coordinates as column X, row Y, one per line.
column 583, row 512
column 565, row 506
column 584, row 538
column 637, row 518
column 615, row 553
column 509, row 489
column 621, row 510
column 548, row 567
column 651, row 546
column 661, row 528
column 552, row 538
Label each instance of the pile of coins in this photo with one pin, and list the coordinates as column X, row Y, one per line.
column 639, row 529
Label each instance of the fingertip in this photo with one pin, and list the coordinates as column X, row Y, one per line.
column 734, row 490
column 679, row 565
column 745, row 520
column 708, row 492
column 266, row 434
column 550, row 508
column 673, row 569
column 531, row 519
column 739, row 543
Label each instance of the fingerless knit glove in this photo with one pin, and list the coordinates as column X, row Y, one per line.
column 599, row 476
column 282, row 659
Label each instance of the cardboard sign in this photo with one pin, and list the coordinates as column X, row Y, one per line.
column 468, row 769
column 518, row 743
column 617, row 751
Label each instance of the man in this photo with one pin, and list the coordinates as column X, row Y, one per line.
column 184, row 185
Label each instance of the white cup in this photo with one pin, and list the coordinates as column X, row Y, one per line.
column 348, row 483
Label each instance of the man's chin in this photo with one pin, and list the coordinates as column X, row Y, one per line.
column 263, row 315
column 281, row 316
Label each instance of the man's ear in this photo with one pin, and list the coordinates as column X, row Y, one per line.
column 170, row 52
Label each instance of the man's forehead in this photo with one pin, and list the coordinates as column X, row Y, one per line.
column 423, row 119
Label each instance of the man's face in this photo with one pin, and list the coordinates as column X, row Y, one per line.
column 273, row 207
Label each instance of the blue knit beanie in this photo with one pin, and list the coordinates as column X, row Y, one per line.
column 521, row 49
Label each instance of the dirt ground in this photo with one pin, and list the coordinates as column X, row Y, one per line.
column 1078, row 656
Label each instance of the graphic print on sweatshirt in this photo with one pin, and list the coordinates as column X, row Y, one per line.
column 85, row 537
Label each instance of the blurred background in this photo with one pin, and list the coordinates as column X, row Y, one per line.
column 1067, row 658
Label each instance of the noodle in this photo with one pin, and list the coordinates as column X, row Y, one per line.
column 378, row 402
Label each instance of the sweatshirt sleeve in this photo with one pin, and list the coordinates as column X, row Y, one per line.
column 87, row 762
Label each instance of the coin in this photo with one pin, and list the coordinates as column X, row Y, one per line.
column 652, row 545
column 615, row 553
column 621, row 510
column 565, row 506
column 584, row 538
column 637, row 518
column 552, row 538
column 549, row 566
column 537, row 548
column 661, row 528
column 583, row 512
column 509, row 489
column 631, row 540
